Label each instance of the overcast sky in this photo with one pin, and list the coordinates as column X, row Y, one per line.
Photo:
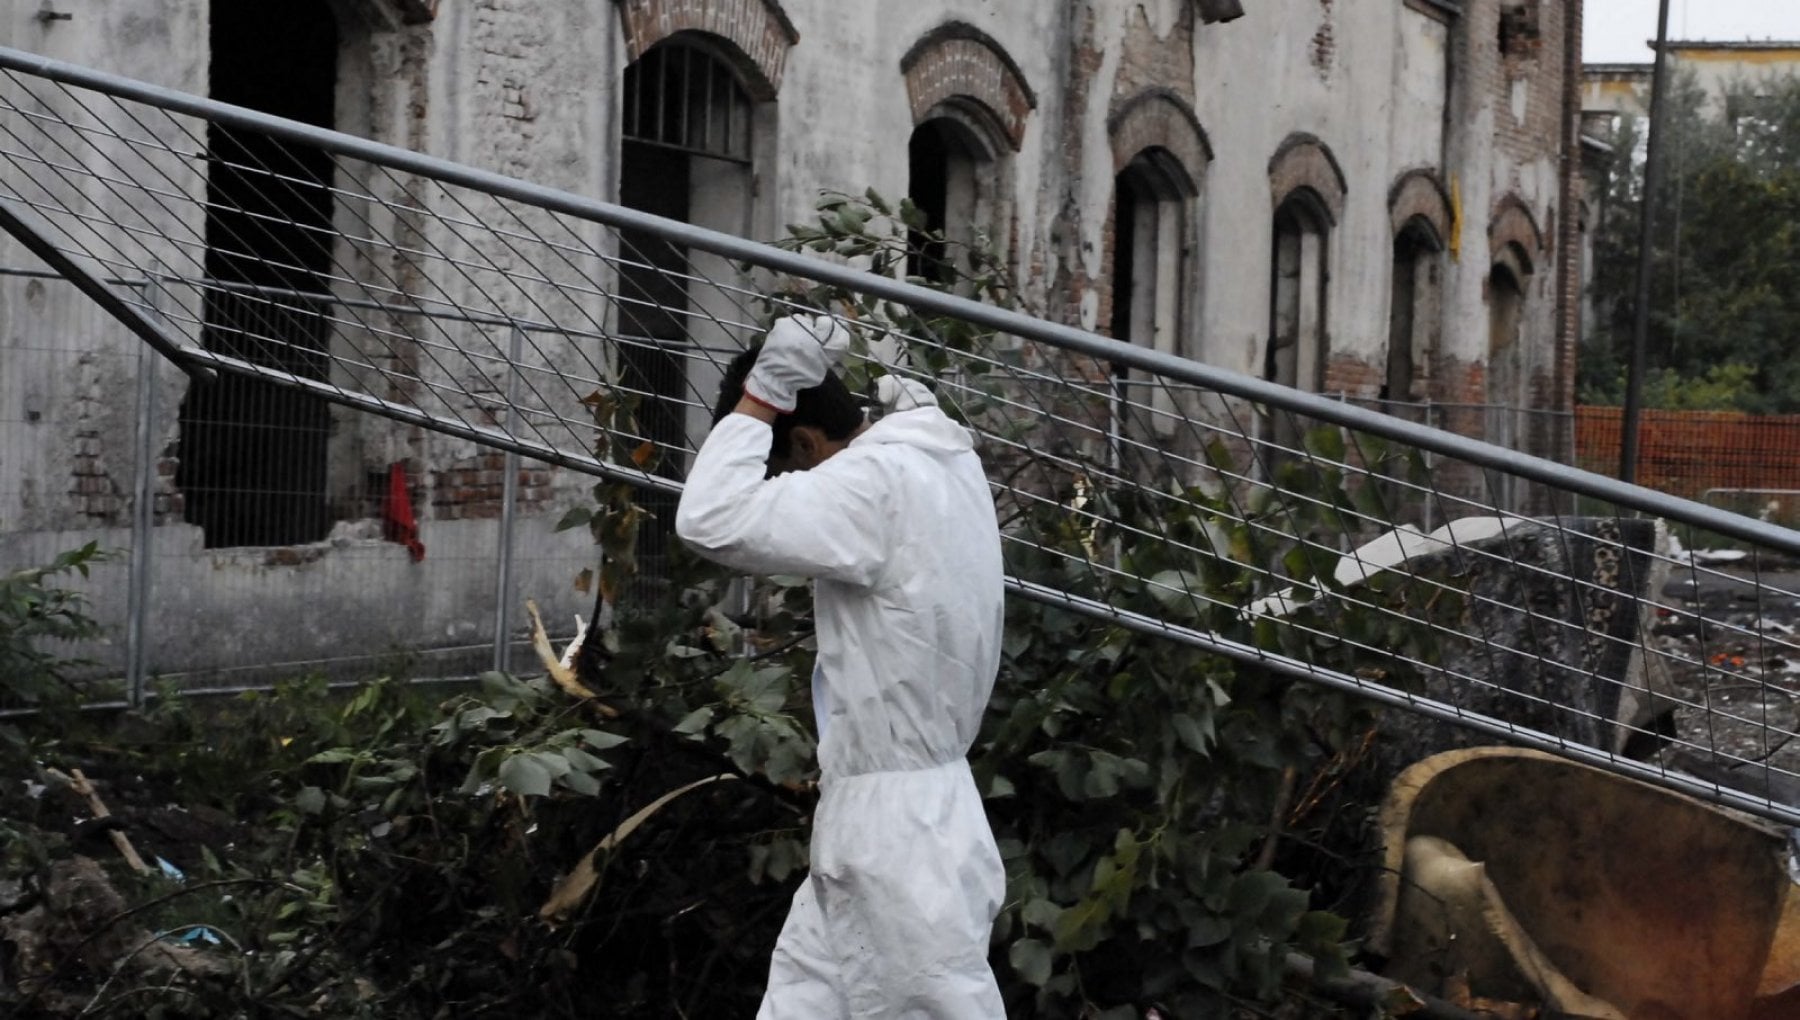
column 1615, row 31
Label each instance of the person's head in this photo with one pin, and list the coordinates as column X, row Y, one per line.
column 824, row 420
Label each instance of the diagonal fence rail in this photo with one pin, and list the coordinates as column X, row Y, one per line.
column 1490, row 593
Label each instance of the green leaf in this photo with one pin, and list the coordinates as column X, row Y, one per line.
column 553, row 762
column 1318, row 928
column 1327, row 442
column 582, row 783
column 310, row 800
column 480, row 715
column 1251, row 892
column 1189, row 732
column 581, row 761
column 695, row 721
column 600, row 740
column 1031, row 960
column 525, row 776
column 1208, row 931
column 1102, row 779
column 1306, row 562
column 333, row 756
column 1175, row 588
column 578, row 516
column 1041, row 914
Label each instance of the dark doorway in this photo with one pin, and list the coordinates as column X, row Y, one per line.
column 928, row 185
column 1128, row 201
column 1412, row 316
column 253, row 454
column 685, row 152
column 947, row 164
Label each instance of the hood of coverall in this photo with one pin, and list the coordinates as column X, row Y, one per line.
column 912, row 418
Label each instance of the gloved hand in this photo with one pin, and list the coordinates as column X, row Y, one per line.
column 898, row 393
column 798, row 354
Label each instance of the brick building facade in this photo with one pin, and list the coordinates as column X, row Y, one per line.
column 1366, row 197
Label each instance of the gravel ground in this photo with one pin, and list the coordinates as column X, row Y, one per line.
column 1741, row 660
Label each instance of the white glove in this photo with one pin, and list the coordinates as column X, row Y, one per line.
column 897, row 393
column 798, row 354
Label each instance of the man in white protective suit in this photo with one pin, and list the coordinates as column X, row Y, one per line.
column 894, row 522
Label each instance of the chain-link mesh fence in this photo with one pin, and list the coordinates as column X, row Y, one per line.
column 381, row 321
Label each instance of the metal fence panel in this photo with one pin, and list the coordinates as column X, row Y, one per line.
column 1506, row 596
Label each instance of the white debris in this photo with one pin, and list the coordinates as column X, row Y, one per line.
column 1384, row 553
column 1714, row 557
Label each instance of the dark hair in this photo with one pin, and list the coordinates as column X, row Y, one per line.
column 829, row 407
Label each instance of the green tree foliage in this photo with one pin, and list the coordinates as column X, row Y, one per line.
column 1725, row 270
column 38, row 617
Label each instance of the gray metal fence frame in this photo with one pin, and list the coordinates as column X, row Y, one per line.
column 1319, row 407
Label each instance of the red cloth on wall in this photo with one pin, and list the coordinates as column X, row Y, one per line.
column 398, row 523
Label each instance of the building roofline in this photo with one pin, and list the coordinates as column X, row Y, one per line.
column 1753, row 45
column 1619, row 69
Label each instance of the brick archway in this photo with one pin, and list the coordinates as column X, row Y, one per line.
column 1158, row 118
column 1303, row 163
column 1514, row 229
column 959, row 65
column 1418, row 197
column 759, row 32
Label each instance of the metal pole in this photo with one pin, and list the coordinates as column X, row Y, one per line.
column 1640, row 324
column 509, row 489
column 143, row 521
column 151, row 333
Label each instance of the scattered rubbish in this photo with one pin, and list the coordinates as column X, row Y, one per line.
column 1715, row 557
column 79, row 785
column 170, row 871
column 79, row 923
column 195, row 935
column 1704, row 557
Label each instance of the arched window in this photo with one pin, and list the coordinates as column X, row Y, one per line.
column 969, row 104
column 689, row 128
column 1420, row 213
column 1160, row 155
column 1506, row 306
column 1514, row 241
column 1297, row 337
column 1150, row 272
column 952, row 178
column 1307, row 187
column 1412, row 316
column 1296, row 351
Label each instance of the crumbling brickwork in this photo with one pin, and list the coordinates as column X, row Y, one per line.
column 473, row 487
column 1303, row 161
column 958, row 61
column 758, row 29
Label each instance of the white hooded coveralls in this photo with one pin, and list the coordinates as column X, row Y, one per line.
column 899, row 531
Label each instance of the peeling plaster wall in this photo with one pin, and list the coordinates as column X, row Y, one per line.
column 533, row 90
column 469, row 87
column 844, row 116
